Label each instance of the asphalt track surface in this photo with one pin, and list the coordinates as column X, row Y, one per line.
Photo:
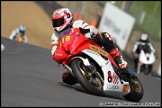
column 30, row 78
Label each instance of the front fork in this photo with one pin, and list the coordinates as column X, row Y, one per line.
column 95, row 73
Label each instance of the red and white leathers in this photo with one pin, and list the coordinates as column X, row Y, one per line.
column 16, row 33
column 102, row 38
column 55, row 37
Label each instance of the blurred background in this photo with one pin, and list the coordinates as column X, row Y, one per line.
column 146, row 13
column 36, row 16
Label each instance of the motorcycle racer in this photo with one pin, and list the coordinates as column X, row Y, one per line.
column 63, row 23
column 19, row 32
column 142, row 43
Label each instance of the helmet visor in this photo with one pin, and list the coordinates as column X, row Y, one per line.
column 57, row 22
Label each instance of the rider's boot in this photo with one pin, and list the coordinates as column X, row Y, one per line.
column 123, row 65
column 115, row 53
column 68, row 78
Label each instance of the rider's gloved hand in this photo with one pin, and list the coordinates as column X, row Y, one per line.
column 93, row 32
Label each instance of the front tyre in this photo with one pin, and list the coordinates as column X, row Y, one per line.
column 85, row 78
column 148, row 69
column 136, row 88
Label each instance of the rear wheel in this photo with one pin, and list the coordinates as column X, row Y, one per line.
column 91, row 83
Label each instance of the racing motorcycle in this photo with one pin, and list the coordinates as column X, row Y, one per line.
column 19, row 39
column 96, row 71
column 146, row 61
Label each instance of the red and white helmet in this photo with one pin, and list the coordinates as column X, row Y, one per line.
column 61, row 18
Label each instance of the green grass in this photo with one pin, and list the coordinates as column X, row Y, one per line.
column 152, row 21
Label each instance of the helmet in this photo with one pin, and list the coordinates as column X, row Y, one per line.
column 21, row 29
column 144, row 37
column 61, row 18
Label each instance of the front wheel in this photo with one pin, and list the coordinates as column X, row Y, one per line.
column 148, row 69
column 136, row 89
column 89, row 82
